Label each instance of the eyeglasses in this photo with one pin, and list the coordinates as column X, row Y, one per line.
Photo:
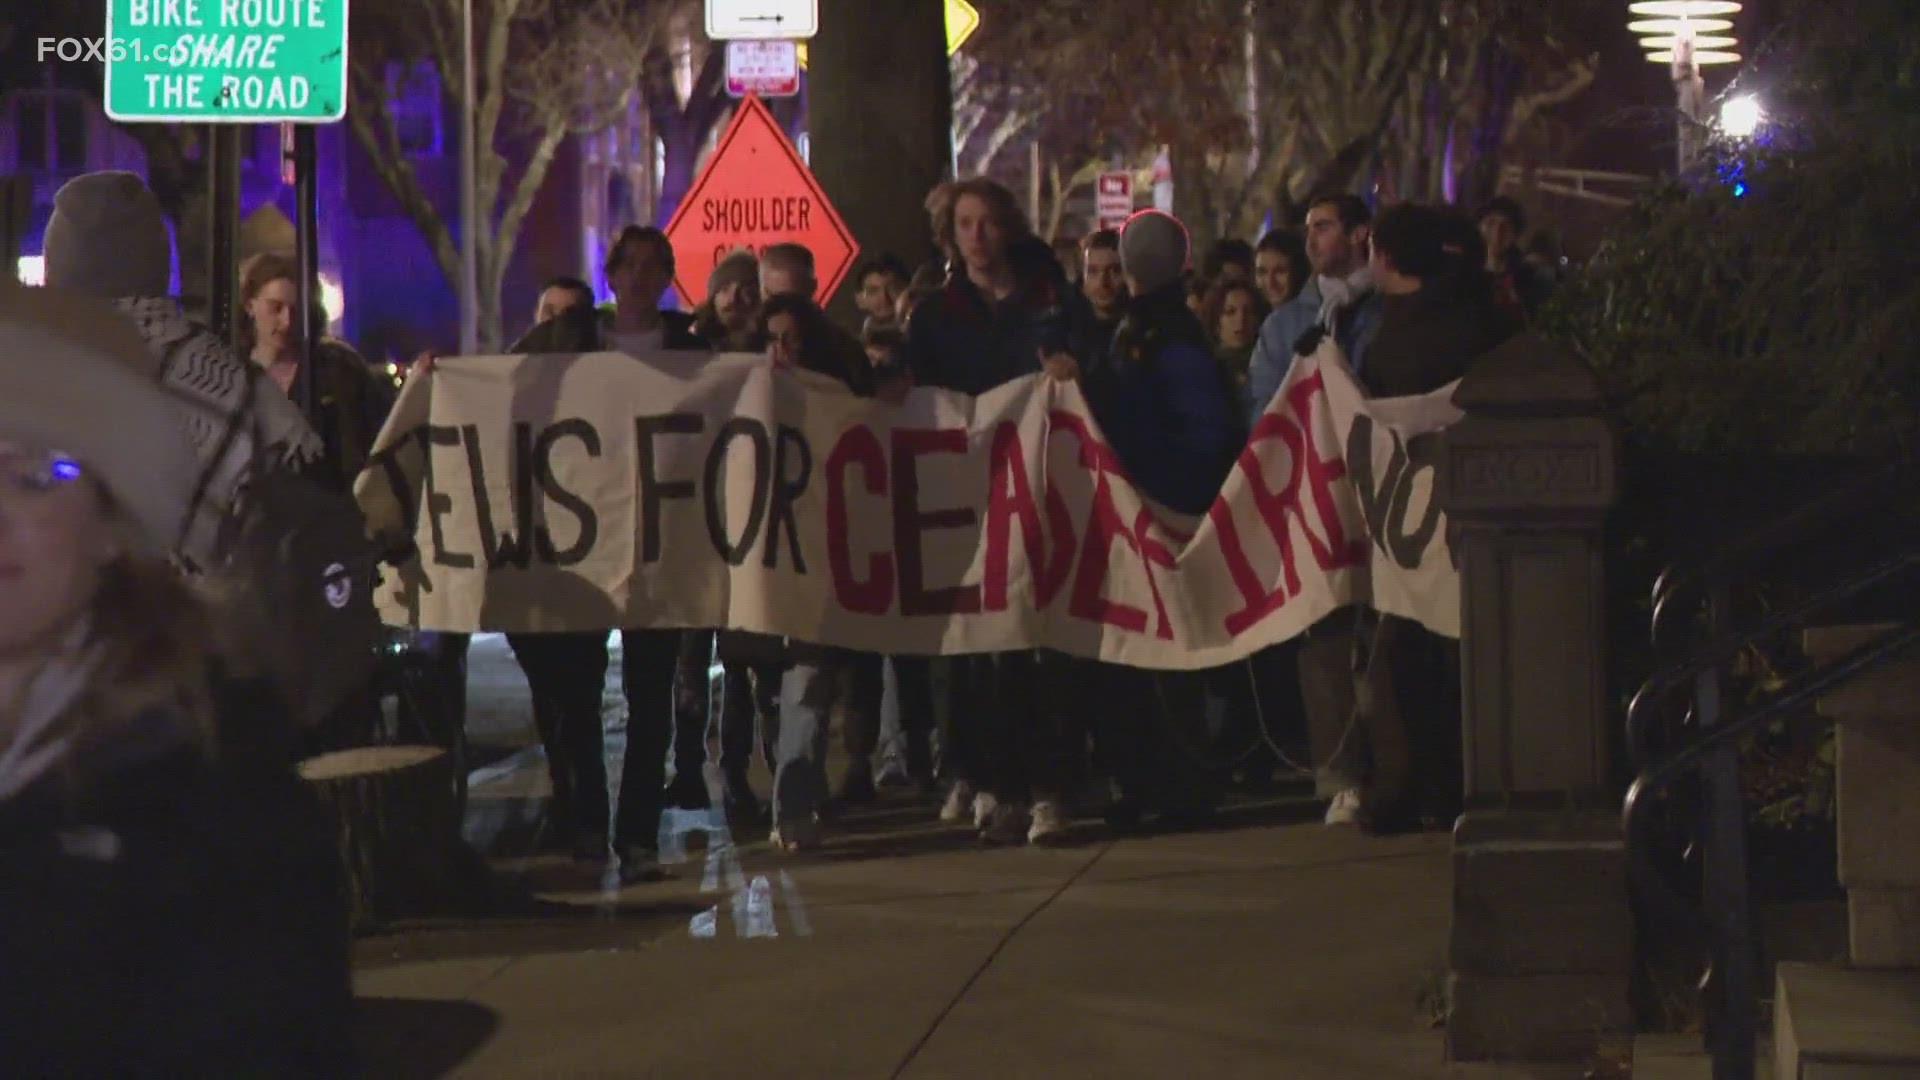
column 39, row 473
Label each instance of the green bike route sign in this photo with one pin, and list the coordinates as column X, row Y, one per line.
column 226, row 61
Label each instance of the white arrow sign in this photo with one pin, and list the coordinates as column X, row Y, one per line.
column 762, row 20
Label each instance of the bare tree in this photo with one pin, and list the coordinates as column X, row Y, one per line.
column 543, row 70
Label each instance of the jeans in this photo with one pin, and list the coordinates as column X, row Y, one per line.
column 664, row 673
column 1382, row 710
column 912, row 715
column 566, row 673
column 812, row 686
column 1012, row 718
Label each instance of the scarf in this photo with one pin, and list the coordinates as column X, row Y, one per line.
column 1338, row 294
column 238, row 420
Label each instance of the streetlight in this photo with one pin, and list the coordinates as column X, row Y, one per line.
column 1741, row 117
column 1687, row 35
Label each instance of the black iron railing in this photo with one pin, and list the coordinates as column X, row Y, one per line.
column 1705, row 746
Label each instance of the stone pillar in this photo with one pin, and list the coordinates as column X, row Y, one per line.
column 1862, row 1018
column 880, row 117
column 1542, row 946
column 1877, row 731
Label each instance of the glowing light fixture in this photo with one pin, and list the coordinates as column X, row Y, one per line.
column 32, row 270
column 332, row 299
column 1741, row 117
column 1684, row 9
column 1646, row 27
column 1676, row 31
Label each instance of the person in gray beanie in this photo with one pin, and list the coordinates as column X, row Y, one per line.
column 1154, row 251
column 108, row 240
column 725, row 319
column 1167, row 409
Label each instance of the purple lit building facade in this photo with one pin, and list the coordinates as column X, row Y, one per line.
column 393, row 298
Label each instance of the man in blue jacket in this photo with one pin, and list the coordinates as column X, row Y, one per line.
column 1339, row 298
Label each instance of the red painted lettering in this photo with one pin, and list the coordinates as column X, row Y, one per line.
column 909, row 522
column 1279, row 508
column 873, row 596
column 1155, row 554
column 1104, row 527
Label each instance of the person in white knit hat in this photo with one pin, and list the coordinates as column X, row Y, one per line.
column 173, row 900
column 108, row 239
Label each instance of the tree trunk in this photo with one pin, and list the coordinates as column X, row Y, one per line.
column 683, row 129
column 396, row 811
column 1193, row 201
column 882, row 121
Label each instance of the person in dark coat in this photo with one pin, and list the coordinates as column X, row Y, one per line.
column 1168, row 410
column 1386, row 728
column 174, row 904
column 664, row 672
column 1006, row 302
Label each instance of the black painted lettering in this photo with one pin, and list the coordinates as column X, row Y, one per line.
column 653, row 490
column 1408, row 545
column 791, row 445
column 736, row 552
column 574, row 504
column 439, row 504
column 509, row 548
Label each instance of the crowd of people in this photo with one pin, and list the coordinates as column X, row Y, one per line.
column 148, row 746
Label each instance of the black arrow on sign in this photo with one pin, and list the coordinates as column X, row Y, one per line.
column 763, row 18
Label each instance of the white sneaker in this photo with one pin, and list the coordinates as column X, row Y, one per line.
column 1006, row 825
column 1048, row 822
column 1345, row 808
column 959, row 802
column 985, row 805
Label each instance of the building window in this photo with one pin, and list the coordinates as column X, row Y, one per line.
column 413, row 94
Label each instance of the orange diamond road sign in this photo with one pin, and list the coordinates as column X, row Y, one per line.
column 756, row 192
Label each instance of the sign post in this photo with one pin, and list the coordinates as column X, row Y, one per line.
column 226, row 63
column 768, row 69
column 762, row 20
column 1114, row 198
column 756, row 192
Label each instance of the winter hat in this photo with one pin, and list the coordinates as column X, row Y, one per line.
column 1154, row 249
column 739, row 268
column 75, row 376
column 108, row 238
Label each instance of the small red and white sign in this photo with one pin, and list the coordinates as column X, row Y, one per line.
column 1114, row 199
column 763, row 68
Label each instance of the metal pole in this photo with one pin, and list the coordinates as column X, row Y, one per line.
column 1731, row 989
column 223, row 220
column 469, row 197
column 306, row 239
column 1691, row 91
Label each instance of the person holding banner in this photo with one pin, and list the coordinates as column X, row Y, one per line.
column 1379, row 688
column 664, row 672
column 1006, row 303
column 799, row 337
column 1168, row 409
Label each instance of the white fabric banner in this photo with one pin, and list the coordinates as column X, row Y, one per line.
column 589, row 492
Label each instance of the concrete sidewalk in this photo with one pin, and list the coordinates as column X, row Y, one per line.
column 1274, row 951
